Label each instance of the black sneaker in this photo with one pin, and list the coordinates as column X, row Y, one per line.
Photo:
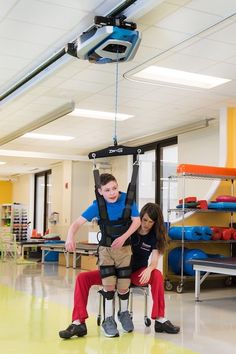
column 167, row 327
column 74, row 330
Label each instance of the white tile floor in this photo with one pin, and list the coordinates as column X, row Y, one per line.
column 38, row 299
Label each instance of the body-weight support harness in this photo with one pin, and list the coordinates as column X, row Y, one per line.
column 111, row 229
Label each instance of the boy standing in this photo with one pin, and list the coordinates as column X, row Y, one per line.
column 114, row 250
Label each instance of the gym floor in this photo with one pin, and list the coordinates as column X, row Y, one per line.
column 36, row 302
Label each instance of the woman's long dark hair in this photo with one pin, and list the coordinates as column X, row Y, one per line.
column 154, row 212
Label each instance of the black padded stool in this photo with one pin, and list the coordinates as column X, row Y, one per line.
column 133, row 289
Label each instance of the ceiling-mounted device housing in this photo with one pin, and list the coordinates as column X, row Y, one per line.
column 112, row 40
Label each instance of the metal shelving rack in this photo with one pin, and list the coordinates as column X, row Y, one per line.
column 181, row 279
column 14, row 220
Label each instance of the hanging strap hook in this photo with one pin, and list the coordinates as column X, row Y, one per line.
column 94, row 160
column 136, row 162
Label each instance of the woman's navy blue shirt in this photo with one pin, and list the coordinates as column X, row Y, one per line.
column 142, row 246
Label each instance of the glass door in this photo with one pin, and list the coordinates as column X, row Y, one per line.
column 168, row 163
column 156, row 164
column 42, row 201
column 146, row 180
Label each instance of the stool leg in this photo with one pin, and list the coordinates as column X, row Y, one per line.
column 131, row 303
column 145, row 303
column 147, row 320
column 99, row 310
column 114, row 305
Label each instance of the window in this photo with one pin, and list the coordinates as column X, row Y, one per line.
column 42, row 201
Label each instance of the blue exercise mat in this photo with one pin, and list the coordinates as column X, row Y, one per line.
column 191, row 233
column 222, row 206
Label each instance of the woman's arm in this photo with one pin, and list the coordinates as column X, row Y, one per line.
column 145, row 275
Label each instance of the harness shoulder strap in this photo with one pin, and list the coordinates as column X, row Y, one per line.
column 131, row 192
column 100, row 200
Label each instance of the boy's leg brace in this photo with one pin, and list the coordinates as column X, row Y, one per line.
column 123, row 278
column 108, row 275
column 107, row 295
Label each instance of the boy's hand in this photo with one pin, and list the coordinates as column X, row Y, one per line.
column 118, row 242
column 70, row 245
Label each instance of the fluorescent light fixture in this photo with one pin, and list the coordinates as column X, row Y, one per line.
column 47, row 137
column 158, row 73
column 2, row 163
column 88, row 113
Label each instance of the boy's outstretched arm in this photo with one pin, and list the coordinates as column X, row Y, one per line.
column 119, row 241
column 70, row 244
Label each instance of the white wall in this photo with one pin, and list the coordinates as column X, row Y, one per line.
column 199, row 147
column 23, row 192
column 57, row 205
column 82, row 193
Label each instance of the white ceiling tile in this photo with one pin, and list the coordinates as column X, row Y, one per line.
column 98, row 102
column 83, row 85
column 179, row 61
column 178, row 2
column 85, row 5
column 144, row 105
column 224, row 70
column 161, row 38
column 158, row 13
column 228, row 89
column 6, row 6
column 96, row 76
column 145, row 53
column 188, row 21
column 6, row 74
column 209, row 49
column 32, row 33
column 217, row 7
column 19, row 48
column 45, row 14
column 71, row 68
column 226, row 35
column 12, row 62
column 231, row 60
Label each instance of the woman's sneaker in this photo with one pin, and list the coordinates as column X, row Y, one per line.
column 110, row 327
column 126, row 321
column 74, row 330
column 167, row 327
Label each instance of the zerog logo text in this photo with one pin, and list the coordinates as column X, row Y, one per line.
column 119, row 150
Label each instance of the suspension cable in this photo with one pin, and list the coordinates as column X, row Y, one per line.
column 116, row 100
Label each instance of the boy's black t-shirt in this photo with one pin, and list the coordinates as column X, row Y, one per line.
column 142, row 246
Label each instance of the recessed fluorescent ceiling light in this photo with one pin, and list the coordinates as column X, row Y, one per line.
column 47, row 136
column 2, row 163
column 88, row 113
column 158, row 73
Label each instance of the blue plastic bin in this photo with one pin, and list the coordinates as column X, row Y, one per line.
column 52, row 256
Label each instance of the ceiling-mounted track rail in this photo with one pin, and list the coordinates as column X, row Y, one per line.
column 52, row 60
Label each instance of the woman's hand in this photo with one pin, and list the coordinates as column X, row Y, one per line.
column 145, row 275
